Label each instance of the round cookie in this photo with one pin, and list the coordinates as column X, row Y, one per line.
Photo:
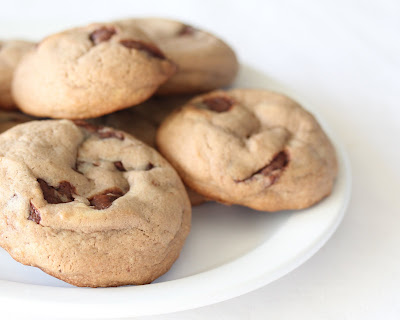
column 89, row 205
column 204, row 61
column 11, row 52
column 90, row 71
column 10, row 119
column 251, row 147
column 142, row 122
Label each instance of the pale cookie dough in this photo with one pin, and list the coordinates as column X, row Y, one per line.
column 89, row 205
column 11, row 52
column 90, row 71
column 204, row 61
column 251, row 147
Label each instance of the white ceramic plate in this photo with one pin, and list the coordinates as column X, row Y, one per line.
column 230, row 251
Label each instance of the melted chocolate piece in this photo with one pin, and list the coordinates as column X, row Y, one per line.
column 151, row 49
column 34, row 214
column 219, row 104
column 279, row 162
column 119, row 166
column 105, row 199
column 102, row 34
column 61, row 194
column 149, row 166
column 86, row 125
column 274, row 169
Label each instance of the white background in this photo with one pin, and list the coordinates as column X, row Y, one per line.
column 342, row 56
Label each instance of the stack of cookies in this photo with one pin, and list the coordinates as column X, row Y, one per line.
column 88, row 199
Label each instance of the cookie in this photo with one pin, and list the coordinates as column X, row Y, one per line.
column 204, row 61
column 11, row 53
column 10, row 119
column 142, row 122
column 250, row 147
column 90, row 71
column 89, row 205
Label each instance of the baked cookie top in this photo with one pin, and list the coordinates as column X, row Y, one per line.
column 252, row 147
column 90, row 71
column 76, row 176
column 11, row 52
column 89, row 205
column 204, row 61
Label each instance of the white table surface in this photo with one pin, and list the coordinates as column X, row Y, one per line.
column 343, row 56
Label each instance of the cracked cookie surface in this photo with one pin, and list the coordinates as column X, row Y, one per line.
column 204, row 61
column 11, row 52
column 89, row 205
column 250, row 147
column 90, row 71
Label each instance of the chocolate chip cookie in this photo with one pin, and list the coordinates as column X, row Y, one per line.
column 204, row 61
column 90, row 71
column 251, row 147
column 11, row 53
column 89, row 205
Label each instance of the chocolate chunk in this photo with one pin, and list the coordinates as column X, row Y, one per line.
column 66, row 189
column 150, row 48
column 274, row 169
column 102, row 34
column 219, row 104
column 279, row 162
column 105, row 199
column 119, row 166
column 61, row 194
column 86, row 125
column 34, row 214
column 186, row 31
column 149, row 166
